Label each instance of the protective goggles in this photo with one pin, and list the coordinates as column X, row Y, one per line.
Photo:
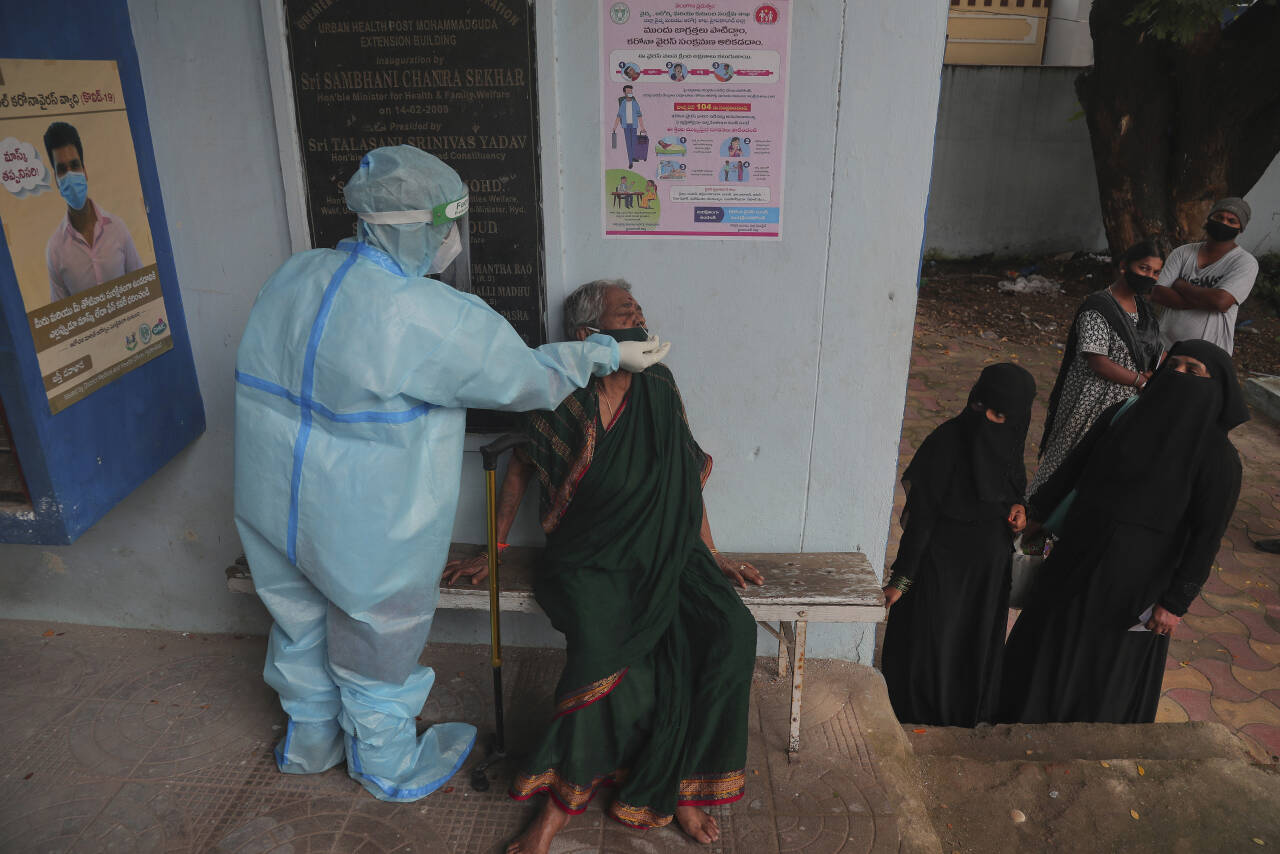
column 443, row 212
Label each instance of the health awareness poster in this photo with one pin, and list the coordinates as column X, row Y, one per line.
column 76, row 224
column 693, row 109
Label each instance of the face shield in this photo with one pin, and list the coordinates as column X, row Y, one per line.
column 451, row 263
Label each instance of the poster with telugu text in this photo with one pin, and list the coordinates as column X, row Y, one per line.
column 693, row 101
column 76, row 224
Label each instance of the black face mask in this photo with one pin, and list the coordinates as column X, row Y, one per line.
column 1220, row 231
column 629, row 333
column 1139, row 283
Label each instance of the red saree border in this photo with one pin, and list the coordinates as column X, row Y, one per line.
column 705, row 790
column 568, row 796
column 592, row 693
column 560, row 499
column 622, row 407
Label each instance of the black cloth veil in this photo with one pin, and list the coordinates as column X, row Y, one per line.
column 1156, row 485
column 1145, row 465
column 970, row 460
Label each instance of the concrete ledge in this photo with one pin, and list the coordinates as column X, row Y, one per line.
column 1075, row 741
column 1134, row 806
column 1263, row 393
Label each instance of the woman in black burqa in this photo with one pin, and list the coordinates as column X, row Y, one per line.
column 949, row 592
column 1154, row 488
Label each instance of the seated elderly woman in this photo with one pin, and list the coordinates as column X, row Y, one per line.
column 653, row 698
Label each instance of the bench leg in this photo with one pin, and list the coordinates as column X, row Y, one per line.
column 797, row 686
column 783, row 653
column 786, row 647
column 782, row 644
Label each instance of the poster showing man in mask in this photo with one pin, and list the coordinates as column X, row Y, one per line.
column 75, row 222
column 89, row 245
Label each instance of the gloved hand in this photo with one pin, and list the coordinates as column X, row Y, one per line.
column 635, row 356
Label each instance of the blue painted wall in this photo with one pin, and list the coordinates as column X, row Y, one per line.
column 80, row 463
column 156, row 559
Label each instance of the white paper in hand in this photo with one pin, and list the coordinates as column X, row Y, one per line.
column 1141, row 625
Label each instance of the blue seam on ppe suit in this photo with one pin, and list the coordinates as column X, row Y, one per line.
column 304, row 400
column 283, row 751
column 308, row 385
column 368, row 416
column 377, row 256
column 393, row 791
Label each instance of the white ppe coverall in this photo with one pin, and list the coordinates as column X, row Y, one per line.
column 352, row 383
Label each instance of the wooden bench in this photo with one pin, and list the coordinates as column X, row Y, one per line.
column 822, row 587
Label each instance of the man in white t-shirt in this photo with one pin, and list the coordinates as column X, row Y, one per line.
column 1202, row 284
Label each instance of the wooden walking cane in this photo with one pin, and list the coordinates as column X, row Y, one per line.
column 498, row 749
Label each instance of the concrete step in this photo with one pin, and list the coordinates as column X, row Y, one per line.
column 1165, row 788
column 855, row 763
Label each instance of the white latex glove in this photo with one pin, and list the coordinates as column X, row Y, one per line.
column 635, row 356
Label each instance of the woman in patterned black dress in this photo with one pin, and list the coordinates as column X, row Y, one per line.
column 1113, row 347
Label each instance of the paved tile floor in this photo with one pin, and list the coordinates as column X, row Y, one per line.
column 135, row 741
column 1224, row 662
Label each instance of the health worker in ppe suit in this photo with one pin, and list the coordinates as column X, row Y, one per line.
column 352, row 384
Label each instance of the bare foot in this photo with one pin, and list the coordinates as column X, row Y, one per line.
column 537, row 837
column 698, row 824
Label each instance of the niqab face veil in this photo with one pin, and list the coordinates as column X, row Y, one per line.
column 1222, row 372
column 1146, row 464
column 993, row 452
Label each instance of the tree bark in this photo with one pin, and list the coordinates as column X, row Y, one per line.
column 1176, row 126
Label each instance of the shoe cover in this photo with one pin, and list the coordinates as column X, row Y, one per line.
column 296, row 665
column 309, row 748
column 415, row 768
column 384, row 751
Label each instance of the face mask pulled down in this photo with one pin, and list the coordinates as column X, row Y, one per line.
column 629, row 333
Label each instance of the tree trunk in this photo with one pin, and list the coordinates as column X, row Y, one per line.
column 1176, row 126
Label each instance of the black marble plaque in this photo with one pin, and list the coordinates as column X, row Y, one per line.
column 455, row 78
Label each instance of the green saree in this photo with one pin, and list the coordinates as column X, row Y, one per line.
column 654, row 694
